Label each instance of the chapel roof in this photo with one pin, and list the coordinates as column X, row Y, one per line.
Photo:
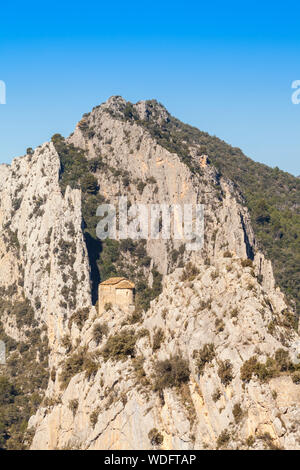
column 118, row 282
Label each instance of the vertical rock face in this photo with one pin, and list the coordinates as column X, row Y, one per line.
column 212, row 363
column 137, row 167
column 42, row 233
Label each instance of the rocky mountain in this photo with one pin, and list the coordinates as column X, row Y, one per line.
column 210, row 357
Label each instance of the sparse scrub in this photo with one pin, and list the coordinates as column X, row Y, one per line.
column 155, row 437
column 99, row 330
column 282, row 358
column 73, row 406
column 223, row 439
column 264, row 372
column 216, row 395
column 237, row 413
column 296, row 378
column 158, row 338
column 138, row 367
column 120, row 346
column 189, row 273
column 171, row 373
column 204, row 356
column 247, row 263
column 250, row 441
column 234, row 312
column 219, row 325
column 214, row 275
column 72, row 366
column 91, row 367
column 225, row 372
column 94, row 417
column 79, row 317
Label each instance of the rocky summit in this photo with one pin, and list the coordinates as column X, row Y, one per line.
column 208, row 355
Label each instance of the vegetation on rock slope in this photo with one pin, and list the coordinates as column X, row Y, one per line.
column 271, row 195
column 107, row 257
column 24, row 378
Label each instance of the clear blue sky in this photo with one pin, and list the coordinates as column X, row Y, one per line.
column 225, row 67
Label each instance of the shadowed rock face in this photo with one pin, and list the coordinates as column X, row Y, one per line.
column 106, row 388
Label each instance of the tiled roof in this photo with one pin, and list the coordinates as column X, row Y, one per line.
column 112, row 280
column 119, row 282
column 125, row 285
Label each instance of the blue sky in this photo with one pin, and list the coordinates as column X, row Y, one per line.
column 225, row 67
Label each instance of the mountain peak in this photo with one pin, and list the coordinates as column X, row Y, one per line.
column 142, row 111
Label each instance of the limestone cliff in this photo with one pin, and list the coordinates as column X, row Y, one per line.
column 213, row 361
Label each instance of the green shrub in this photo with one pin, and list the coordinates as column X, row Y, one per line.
column 91, row 367
column 171, row 373
column 135, row 317
column 296, row 378
column 127, row 245
column 223, row 439
column 156, row 439
column 248, row 369
column 268, row 441
column 158, row 338
column 24, row 313
column 120, row 346
column 225, row 372
column 263, row 372
column 80, row 317
column 140, row 187
column 73, row 406
column 78, row 362
column 220, row 325
column 290, row 320
column 282, row 358
column 53, row 374
column 216, row 395
column 72, row 366
column 247, row 263
column 237, row 413
column 73, row 163
column 267, row 371
column 66, row 343
column 214, row 275
column 94, row 417
column 23, row 386
column 7, row 391
column 138, row 367
column 95, row 164
column 204, row 356
column 89, row 184
column 145, row 294
column 190, row 272
column 271, row 327
column 234, row 312
column 250, row 441
column 99, row 330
